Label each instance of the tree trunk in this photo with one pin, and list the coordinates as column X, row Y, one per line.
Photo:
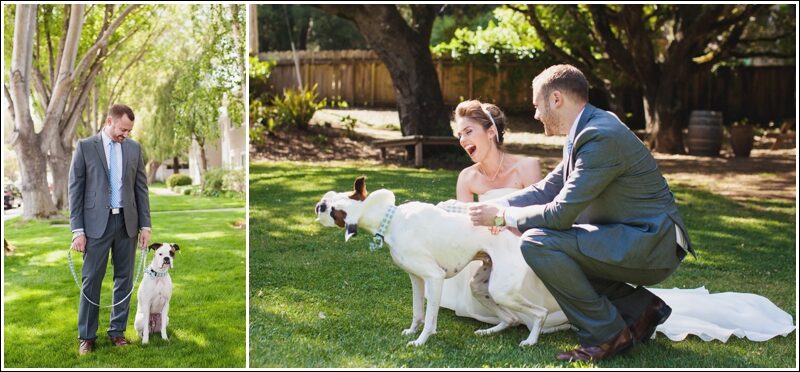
column 176, row 165
column 27, row 144
column 152, row 168
column 406, row 53
column 253, row 25
column 664, row 125
column 203, row 160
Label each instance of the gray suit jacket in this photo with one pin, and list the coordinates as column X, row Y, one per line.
column 89, row 188
column 609, row 188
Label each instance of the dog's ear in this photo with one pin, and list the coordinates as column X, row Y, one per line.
column 154, row 246
column 338, row 216
column 350, row 231
column 359, row 189
column 175, row 246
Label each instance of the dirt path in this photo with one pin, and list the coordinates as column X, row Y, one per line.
column 766, row 174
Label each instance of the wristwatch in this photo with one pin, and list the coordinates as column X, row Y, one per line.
column 499, row 220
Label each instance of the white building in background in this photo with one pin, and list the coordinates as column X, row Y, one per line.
column 229, row 151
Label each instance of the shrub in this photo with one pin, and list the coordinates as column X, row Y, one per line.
column 295, row 108
column 223, row 182
column 234, row 181
column 178, row 180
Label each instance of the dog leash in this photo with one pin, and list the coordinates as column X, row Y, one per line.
column 136, row 280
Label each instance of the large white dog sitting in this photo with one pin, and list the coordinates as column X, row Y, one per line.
column 155, row 292
column 431, row 244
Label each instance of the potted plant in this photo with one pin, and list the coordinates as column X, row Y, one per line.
column 742, row 138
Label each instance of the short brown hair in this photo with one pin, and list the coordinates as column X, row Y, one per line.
column 564, row 78
column 478, row 112
column 116, row 111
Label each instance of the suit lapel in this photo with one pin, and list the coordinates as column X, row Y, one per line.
column 98, row 145
column 588, row 111
column 124, row 149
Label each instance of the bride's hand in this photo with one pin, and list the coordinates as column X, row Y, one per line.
column 496, row 229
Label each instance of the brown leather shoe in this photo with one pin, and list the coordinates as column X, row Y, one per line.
column 654, row 314
column 618, row 344
column 86, row 347
column 119, row 341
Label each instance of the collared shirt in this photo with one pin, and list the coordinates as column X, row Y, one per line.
column 117, row 158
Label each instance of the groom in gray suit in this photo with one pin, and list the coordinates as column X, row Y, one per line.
column 109, row 206
column 603, row 218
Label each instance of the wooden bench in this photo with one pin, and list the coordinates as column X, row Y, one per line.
column 418, row 141
column 786, row 134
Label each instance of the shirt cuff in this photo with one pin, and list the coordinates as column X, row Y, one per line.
column 510, row 214
column 145, row 228
column 78, row 231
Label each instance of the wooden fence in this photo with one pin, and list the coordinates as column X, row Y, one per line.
column 761, row 94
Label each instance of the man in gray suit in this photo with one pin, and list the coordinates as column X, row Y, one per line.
column 109, row 206
column 604, row 217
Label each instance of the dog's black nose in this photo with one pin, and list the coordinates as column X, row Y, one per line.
column 166, row 259
column 321, row 207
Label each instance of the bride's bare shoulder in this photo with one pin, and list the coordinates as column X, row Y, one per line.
column 525, row 162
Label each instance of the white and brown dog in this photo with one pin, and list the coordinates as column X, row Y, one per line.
column 155, row 292
column 431, row 245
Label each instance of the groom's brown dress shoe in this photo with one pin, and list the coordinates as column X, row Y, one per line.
column 86, row 347
column 620, row 343
column 119, row 341
column 654, row 314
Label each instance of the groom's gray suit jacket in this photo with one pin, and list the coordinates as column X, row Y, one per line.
column 89, row 188
column 608, row 188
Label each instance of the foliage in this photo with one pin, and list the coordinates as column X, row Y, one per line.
column 309, row 29
column 217, row 181
column 178, row 180
column 458, row 16
column 40, row 306
column 508, row 35
column 306, row 310
column 295, row 108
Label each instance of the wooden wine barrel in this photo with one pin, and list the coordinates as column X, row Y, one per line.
column 705, row 133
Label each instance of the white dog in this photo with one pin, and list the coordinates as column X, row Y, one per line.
column 431, row 244
column 155, row 292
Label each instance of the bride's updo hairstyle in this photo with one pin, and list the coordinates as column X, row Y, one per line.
column 486, row 114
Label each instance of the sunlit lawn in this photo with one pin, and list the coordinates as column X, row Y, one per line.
column 207, row 311
column 317, row 301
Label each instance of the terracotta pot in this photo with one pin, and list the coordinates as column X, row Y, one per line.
column 742, row 140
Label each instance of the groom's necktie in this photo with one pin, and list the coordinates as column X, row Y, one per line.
column 567, row 152
column 114, row 179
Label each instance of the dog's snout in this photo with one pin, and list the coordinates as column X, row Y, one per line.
column 321, row 207
column 166, row 259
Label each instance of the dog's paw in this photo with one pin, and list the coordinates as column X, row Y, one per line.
column 409, row 331
column 415, row 343
column 483, row 332
column 527, row 343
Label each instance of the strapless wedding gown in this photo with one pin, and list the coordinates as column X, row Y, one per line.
column 709, row 316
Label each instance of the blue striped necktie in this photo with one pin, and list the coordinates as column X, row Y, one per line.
column 114, row 179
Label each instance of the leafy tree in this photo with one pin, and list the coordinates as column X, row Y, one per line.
column 62, row 66
column 307, row 27
column 657, row 48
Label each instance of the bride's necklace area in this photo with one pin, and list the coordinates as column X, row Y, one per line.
column 499, row 167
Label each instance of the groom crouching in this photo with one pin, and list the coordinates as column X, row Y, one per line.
column 602, row 218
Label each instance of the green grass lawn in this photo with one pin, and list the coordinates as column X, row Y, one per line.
column 318, row 302
column 207, row 310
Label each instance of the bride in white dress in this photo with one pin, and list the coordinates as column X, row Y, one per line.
column 495, row 173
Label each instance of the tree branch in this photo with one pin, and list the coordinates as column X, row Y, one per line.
column 766, row 38
column 103, row 40
column 51, row 70
column 40, row 87
column 766, row 53
column 615, row 49
column 10, row 105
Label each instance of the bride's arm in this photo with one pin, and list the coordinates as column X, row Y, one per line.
column 463, row 190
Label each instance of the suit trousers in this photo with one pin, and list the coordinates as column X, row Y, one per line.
column 95, row 259
column 594, row 295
